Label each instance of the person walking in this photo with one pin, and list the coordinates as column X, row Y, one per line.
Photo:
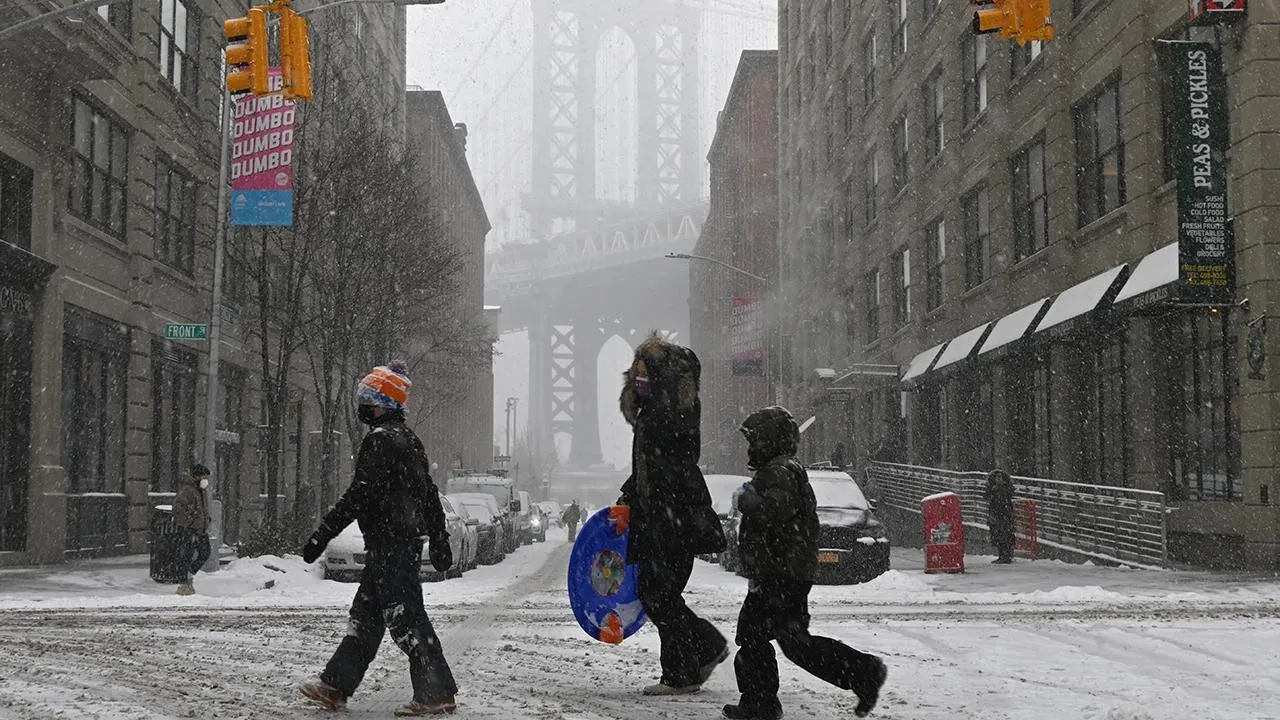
column 1000, row 522
column 396, row 504
column 778, row 547
column 571, row 516
column 668, row 508
column 191, row 517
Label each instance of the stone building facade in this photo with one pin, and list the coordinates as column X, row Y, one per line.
column 741, row 231
column 1000, row 222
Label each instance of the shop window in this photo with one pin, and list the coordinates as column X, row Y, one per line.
column 1030, row 199
column 976, row 448
column 1100, row 186
column 1107, row 443
column 1204, row 443
column 95, row 361
column 15, row 202
column 100, row 169
column 1028, row 415
column 173, row 398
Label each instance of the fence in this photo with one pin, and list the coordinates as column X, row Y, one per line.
column 1109, row 523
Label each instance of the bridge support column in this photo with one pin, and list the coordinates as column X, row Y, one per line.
column 585, row 450
column 541, row 438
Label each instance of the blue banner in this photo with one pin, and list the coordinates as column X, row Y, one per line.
column 262, row 207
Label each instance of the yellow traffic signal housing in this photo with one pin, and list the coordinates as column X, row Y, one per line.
column 1020, row 20
column 295, row 55
column 247, row 60
column 1001, row 18
column 1035, row 21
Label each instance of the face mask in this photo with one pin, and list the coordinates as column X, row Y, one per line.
column 204, row 483
column 643, row 389
column 365, row 413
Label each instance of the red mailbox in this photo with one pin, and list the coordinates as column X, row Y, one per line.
column 1024, row 517
column 943, row 533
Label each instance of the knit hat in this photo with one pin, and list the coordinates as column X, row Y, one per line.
column 387, row 386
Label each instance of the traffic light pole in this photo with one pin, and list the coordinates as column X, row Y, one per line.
column 215, row 324
column 54, row 15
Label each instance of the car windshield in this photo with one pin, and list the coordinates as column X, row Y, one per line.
column 478, row 510
column 722, row 488
column 500, row 492
column 838, row 493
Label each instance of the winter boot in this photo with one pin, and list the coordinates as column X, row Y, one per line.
column 748, row 711
column 186, row 588
column 321, row 693
column 422, row 708
column 868, row 688
column 704, row 672
column 660, row 689
column 1002, row 560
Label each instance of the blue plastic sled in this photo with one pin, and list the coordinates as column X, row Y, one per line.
column 603, row 588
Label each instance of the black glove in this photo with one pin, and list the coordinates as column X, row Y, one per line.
column 441, row 553
column 315, row 545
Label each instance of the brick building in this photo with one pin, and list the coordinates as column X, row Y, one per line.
column 997, row 221
column 741, row 231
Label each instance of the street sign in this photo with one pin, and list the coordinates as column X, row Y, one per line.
column 1211, row 11
column 186, row 331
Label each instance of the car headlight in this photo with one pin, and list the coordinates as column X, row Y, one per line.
column 537, row 521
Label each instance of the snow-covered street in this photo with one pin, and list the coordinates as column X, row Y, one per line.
column 1032, row 640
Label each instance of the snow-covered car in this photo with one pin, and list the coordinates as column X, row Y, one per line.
column 852, row 543
column 344, row 556
column 492, row 544
column 470, row 535
column 457, row 529
column 527, row 520
column 552, row 510
column 722, row 488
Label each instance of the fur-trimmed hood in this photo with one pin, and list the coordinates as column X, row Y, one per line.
column 674, row 374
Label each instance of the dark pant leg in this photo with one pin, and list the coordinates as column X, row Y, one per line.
column 573, row 530
column 200, row 548
column 406, row 618
column 688, row 641
column 756, row 665
column 822, row 657
column 364, row 634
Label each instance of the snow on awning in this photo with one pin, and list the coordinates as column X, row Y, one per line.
column 961, row 347
column 919, row 365
column 1082, row 298
column 1154, row 272
column 1013, row 326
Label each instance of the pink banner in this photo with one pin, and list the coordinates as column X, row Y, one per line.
column 262, row 141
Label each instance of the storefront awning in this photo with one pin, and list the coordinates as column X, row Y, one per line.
column 1152, row 280
column 1012, row 327
column 961, row 347
column 921, row 363
column 1081, row 299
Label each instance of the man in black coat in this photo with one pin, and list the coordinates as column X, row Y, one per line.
column 669, row 509
column 778, row 545
column 396, row 503
column 572, row 515
column 1000, row 522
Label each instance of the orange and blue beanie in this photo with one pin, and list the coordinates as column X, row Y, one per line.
column 387, row 386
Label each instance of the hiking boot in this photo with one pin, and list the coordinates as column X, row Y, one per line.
column 747, row 711
column 1002, row 561
column 704, row 672
column 321, row 693
column 186, row 588
column 421, row 708
column 868, row 689
column 661, row 689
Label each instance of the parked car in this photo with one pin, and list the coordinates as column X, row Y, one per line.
column 453, row 525
column 492, row 540
column 503, row 492
column 722, row 488
column 470, row 534
column 852, row 543
column 344, row 556
column 552, row 510
column 524, row 518
column 537, row 519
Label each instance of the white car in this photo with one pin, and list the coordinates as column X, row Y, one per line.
column 552, row 511
column 470, row 536
column 344, row 557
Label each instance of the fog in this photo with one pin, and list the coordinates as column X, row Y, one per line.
column 480, row 56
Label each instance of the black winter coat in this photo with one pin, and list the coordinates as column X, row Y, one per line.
column 1000, row 521
column 392, row 504
column 778, row 532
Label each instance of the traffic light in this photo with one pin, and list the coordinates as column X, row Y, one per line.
column 295, row 55
column 1036, row 21
column 1002, row 18
column 1021, row 20
column 247, row 60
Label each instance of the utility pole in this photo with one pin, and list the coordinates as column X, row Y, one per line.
column 511, row 409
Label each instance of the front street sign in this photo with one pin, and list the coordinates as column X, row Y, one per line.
column 186, row 331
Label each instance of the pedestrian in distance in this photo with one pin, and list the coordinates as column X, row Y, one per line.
column 668, row 508
column 1000, row 523
column 396, row 503
column 571, row 516
column 778, row 547
column 191, row 517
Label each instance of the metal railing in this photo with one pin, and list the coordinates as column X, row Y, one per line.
column 1109, row 523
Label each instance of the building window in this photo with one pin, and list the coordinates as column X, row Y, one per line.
column 902, row 289
column 935, row 244
column 173, row 414
column 1021, row 56
column 849, row 110
column 975, row 76
column 100, row 172
column 175, row 209
column 1028, row 392
column 900, row 31
column 976, row 423
column 15, row 202
column 1099, row 154
column 872, row 184
column 179, row 38
column 1030, row 199
column 901, row 144
column 118, row 17
column 1107, row 461
column 869, row 70
column 874, row 293
column 95, row 364
column 976, row 207
column 1204, row 442
column 935, row 136
column 929, row 7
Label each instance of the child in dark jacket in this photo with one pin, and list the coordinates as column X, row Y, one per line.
column 778, row 544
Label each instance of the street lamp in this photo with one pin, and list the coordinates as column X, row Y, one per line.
column 721, row 263
column 511, row 409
